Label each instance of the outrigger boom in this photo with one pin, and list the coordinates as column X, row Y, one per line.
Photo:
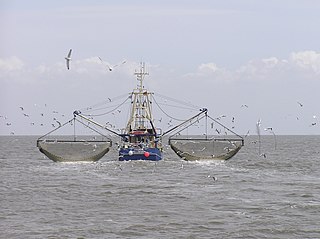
column 78, row 113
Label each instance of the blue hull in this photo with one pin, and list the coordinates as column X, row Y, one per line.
column 153, row 154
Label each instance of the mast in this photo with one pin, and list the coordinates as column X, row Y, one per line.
column 140, row 117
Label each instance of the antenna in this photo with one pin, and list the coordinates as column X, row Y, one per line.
column 140, row 75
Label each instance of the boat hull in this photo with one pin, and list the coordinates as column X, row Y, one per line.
column 152, row 154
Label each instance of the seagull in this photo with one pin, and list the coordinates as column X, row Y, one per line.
column 300, row 103
column 123, row 62
column 21, row 108
column 213, row 177
column 111, row 68
column 263, row 155
column 220, row 117
column 244, row 106
column 68, row 59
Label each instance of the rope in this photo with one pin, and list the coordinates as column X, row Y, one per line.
column 56, row 129
column 108, row 112
column 70, row 121
column 166, row 112
column 190, row 124
column 225, row 127
column 185, row 122
column 179, row 107
column 109, row 100
column 179, row 101
column 95, row 130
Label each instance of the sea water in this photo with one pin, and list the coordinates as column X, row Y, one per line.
column 276, row 195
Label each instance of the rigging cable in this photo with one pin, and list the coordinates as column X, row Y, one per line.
column 165, row 112
column 225, row 127
column 95, row 130
column 104, row 102
column 108, row 111
column 70, row 121
column 179, row 101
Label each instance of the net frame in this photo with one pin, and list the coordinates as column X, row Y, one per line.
column 217, row 147
column 70, row 148
column 82, row 150
column 205, row 148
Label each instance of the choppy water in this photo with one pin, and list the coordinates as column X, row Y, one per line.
column 253, row 197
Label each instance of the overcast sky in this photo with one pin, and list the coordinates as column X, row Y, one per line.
column 217, row 54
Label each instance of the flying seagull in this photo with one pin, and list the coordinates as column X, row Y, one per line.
column 68, row 59
column 300, row 104
column 110, row 68
column 58, row 123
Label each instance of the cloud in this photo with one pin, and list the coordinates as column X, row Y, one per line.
column 299, row 65
column 260, row 83
column 11, row 64
column 307, row 60
column 306, row 63
column 208, row 67
column 262, row 68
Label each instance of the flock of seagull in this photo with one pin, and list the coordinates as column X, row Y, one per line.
column 109, row 68
column 56, row 123
column 34, row 120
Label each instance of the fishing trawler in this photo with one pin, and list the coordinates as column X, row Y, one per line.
column 140, row 139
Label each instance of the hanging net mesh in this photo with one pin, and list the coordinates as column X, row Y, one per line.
column 74, row 148
column 217, row 141
column 206, row 148
column 72, row 151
